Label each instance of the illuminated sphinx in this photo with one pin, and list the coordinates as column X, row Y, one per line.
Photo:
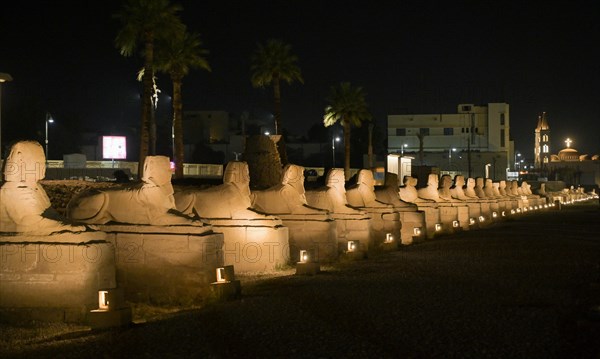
column 150, row 202
column 24, row 205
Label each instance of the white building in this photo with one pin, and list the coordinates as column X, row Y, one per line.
column 474, row 142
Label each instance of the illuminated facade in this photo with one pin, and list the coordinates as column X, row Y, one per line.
column 483, row 132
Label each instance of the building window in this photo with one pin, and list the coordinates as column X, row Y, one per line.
column 545, row 138
column 448, row 131
column 424, row 131
column 502, row 141
column 466, row 108
column 401, row 132
column 545, row 150
column 502, row 119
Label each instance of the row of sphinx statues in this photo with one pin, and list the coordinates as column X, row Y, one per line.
column 329, row 216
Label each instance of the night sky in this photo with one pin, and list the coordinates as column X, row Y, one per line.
column 410, row 57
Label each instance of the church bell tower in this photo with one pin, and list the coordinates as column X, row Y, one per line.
column 542, row 142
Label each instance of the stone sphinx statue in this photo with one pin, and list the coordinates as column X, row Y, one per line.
column 445, row 190
column 496, row 189
column 430, row 192
column 333, row 196
column 457, row 190
column 149, row 203
column 362, row 194
column 502, row 188
column 24, row 206
column 488, row 188
column 288, row 197
column 479, row 183
column 390, row 193
column 408, row 192
column 470, row 189
column 230, row 200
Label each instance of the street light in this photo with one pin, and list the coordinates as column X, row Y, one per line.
column 4, row 77
column 403, row 147
column 517, row 154
column 49, row 119
column 450, row 150
column 333, row 141
column 487, row 170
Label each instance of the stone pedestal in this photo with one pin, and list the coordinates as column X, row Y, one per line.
column 316, row 233
column 253, row 245
column 307, row 268
column 352, row 227
column 383, row 221
column 171, row 265
column 54, row 281
column 432, row 217
column 412, row 222
column 448, row 217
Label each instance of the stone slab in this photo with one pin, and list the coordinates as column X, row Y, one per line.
column 165, row 268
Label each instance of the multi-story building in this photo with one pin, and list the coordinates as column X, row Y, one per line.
column 475, row 141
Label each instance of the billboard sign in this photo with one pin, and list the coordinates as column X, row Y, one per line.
column 114, row 147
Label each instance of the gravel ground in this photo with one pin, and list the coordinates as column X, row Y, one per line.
column 520, row 289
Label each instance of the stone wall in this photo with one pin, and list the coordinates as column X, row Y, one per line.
column 53, row 281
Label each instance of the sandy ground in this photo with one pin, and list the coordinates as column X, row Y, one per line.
column 524, row 288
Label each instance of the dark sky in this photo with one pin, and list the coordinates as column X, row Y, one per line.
column 409, row 56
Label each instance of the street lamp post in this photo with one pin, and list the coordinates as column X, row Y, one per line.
column 517, row 154
column 403, row 147
column 487, row 170
column 4, row 77
column 49, row 119
column 450, row 150
column 333, row 141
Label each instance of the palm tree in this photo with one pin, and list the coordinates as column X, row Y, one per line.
column 177, row 57
column 272, row 63
column 142, row 23
column 347, row 105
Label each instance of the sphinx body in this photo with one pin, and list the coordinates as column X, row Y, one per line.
column 24, row 206
column 288, row 197
column 148, row 203
column 230, row 200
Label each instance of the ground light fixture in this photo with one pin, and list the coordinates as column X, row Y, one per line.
column 221, row 275
column 471, row 221
column 455, row 224
column 389, row 238
column 304, row 258
column 352, row 246
column 417, row 231
column 494, row 214
column 438, row 227
column 481, row 219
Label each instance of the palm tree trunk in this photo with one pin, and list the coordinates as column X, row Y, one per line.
column 146, row 102
column 178, row 126
column 277, row 105
column 277, row 114
column 346, row 149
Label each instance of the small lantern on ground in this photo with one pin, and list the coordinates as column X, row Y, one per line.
column 112, row 310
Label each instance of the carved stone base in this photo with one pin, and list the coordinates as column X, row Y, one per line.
column 155, row 266
column 50, row 281
column 316, row 234
column 254, row 246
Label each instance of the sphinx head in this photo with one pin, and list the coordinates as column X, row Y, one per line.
column 26, row 162
column 157, row 170
column 293, row 175
column 236, row 172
